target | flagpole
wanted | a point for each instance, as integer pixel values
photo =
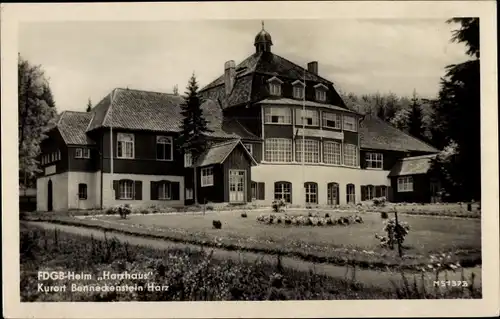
(111, 138)
(303, 138)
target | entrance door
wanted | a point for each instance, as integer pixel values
(237, 185)
(49, 196)
(333, 194)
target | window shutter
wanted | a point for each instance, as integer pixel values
(176, 189)
(363, 192)
(261, 191)
(154, 190)
(116, 188)
(390, 194)
(138, 190)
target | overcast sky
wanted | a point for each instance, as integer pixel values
(88, 59)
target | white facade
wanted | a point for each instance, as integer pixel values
(320, 174)
(65, 190)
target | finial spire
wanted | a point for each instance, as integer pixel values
(262, 24)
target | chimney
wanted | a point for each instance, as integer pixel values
(229, 76)
(312, 67)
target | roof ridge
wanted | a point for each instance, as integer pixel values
(411, 158)
(145, 91)
(60, 118)
(222, 143)
(279, 56)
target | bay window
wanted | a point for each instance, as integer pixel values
(331, 120)
(331, 153)
(278, 115)
(350, 155)
(278, 150)
(307, 117)
(350, 123)
(311, 151)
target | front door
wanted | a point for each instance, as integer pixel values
(237, 186)
(49, 196)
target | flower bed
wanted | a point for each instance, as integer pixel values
(312, 219)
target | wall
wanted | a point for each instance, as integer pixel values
(238, 160)
(59, 192)
(321, 174)
(420, 194)
(93, 190)
(215, 193)
(109, 196)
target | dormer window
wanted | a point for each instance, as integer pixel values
(298, 89)
(275, 86)
(321, 92)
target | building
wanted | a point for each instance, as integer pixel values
(263, 112)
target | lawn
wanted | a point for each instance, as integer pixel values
(428, 235)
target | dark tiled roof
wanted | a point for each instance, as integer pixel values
(262, 63)
(287, 101)
(377, 134)
(217, 153)
(151, 111)
(412, 165)
(235, 127)
(72, 126)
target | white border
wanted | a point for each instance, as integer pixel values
(12, 14)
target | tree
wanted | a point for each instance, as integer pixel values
(415, 122)
(456, 120)
(36, 113)
(400, 119)
(193, 138)
(89, 105)
(176, 90)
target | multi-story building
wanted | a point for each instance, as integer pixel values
(278, 131)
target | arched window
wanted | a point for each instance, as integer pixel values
(333, 193)
(283, 190)
(311, 191)
(351, 194)
(370, 192)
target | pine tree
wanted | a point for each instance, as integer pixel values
(193, 138)
(89, 105)
(415, 124)
(456, 120)
(176, 90)
(36, 113)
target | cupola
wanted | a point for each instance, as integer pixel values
(263, 41)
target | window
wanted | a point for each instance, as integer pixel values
(249, 148)
(189, 193)
(333, 194)
(405, 184)
(370, 192)
(126, 189)
(283, 190)
(207, 177)
(351, 194)
(164, 191)
(331, 120)
(164, 150)
(278, 150)
(320, 95)
(307, 117)
(79, 153)
(350, 123)
(278, 115)
(125, 145)
(253, 186)
(381, 191)
(58, 155)
(350, 155)
(86, 153)
(311, 192)
(298, 90)
(311, 153)
(82, 191)
(331, 152)
(188, 159)
(374, 160)
(275, 89)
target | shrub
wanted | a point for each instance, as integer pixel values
(110, 211)
(379, 201)
(327, 215)
(124, 210)
(394, 233)
(358, 219)
(244, 215)
(384, 215)
(209, 207)
(278, 205)
(288, 221)
(217, 224)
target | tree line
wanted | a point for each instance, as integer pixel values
(450, 121)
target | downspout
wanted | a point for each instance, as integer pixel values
(102, 169)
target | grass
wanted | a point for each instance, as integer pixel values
(189, 275)
(353, 244)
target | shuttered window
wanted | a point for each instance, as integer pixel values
(165, 190)
(127, 189)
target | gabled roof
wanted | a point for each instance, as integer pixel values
(412, 165)
(151, 111)
(217, 153)
(72, 126)
(379, 135)
(263, 63)
(233, 126)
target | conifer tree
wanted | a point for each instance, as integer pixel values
(415, 123)
(89, 105)
(192, 138)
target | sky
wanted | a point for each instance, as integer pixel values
(88, 59)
